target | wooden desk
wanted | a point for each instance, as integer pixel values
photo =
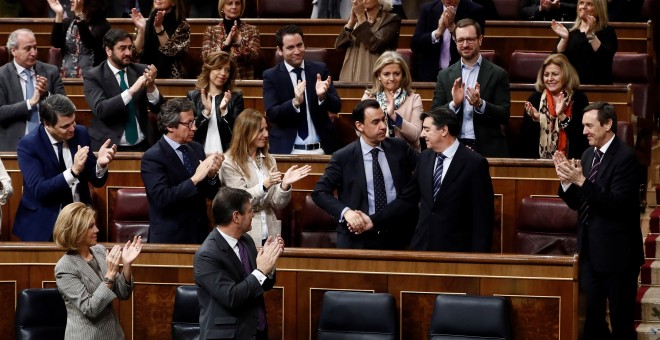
(542, 290)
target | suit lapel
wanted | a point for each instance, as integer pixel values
(289, 92)
(390, 154)
(607, 158)
(425, 168)
(169, 153)
(455, 168)
(360, 176)
(110, 81)
(14, 80)
(230, 254)
(485, 72)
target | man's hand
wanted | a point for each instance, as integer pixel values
(354, 221)
(79, 159)
(215, 164)
(474, 95)
(268, 254)
(457, 92)
(204, 168)
(106, 154)
(322, 86)
(568, 171)
(299, 93)
(40, 89)
(150, 73)
(368, 224)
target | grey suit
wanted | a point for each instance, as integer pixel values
(13, 108)
(88, 300)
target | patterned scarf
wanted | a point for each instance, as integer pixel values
(399, 97)
(553, 136)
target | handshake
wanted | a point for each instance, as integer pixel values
(357, 221)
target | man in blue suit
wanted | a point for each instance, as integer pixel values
(298, 94)
(178, 178)
(56, 163)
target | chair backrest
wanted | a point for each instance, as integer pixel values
(4, 55)
(632, 68)
(357, 315)
(624, 130)
(546, 225)
(185, 317)
(130, 215)
(508, 9)
(40, 314)
(55, 56)
(463, 317)
(524, 66)
(314, 228)
(284, 8)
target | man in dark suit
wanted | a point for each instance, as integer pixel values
(546, 10)
(432, 42)
(478, 92)
(352, 174)
(178, 178)
(57, 164)
(453, 189)
(231, 275)
(119, 91)
(603, 188)
(298, 94)
(122, 8)
(20, 93)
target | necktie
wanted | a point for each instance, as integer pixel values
(437, 174)
(583, 212)
(130, 128)
(66, 199)
(29, 92)
(445, 53)
(245, 260)
(187, 162)
(302, 123)
(380, 197)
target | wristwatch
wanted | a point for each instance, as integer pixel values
(108, 280)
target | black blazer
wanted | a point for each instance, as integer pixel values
(225, 124)
(278, 95)
(614, 237)
(228, 299)
(177, 207)
(462, 218)
(427, 53)
(103, 95)
(346, 174)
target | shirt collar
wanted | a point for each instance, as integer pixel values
(451, 150)
(366, 148)
(477, 64)
(232, 241)
(52, 140)
(290, 68)
(114, 69)
(19, 68)
(171, 142)
(604, 148)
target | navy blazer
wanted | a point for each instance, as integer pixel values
(177, 207)
(228, 299)
(462, 218)
(103, 96)
(427, 53)
(44, 185)
(13, 108)
(278, 95)
(614, 240)
(488, 126)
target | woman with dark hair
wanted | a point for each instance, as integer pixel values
(80, 39)
(89, 277)
(216, 102)
(235, 37)
(590, 44)
(164, 38)
(553, 119)
(249, 166)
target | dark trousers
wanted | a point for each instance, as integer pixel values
(617, 288)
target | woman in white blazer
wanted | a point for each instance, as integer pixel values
(89, 277)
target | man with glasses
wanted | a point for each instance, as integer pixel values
(178, 178)
(477, 91)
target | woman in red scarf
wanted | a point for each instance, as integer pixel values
(553, 114)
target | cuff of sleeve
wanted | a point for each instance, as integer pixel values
(259, 275)
(398, 121)
(153, 96)
(341, 218)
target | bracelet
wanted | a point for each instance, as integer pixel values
(347, 29)
(591, 37)
(75, 175)
(161, 32)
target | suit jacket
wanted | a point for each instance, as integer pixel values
(177, 207)
(103, 95)
(613, 239)
(489, 125)
(225, 124)
(346, 174)
(89, 310)
(529, 10)
(278, 95)
(228, 299)
(462, 218)
(44, 185)
(13, 108)
(427, 53)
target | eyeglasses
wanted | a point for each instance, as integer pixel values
(189, 124)
(470, 41)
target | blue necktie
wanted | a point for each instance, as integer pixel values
(247, 266)
(33, 123)
(302, 123)
(437, 174)
(380, 197)
(187, 162)
(130, 129)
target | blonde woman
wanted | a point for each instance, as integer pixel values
(402, 107)
(89, 277)
(249, 166)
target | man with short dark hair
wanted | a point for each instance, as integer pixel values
(603, 188)
(178, 177)
(57, 164)
(231, 275)
(361, 173)
(477, 91)
(118, 92)
(298, 94)
(24, 81)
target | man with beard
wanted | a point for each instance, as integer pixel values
(477, 91)
(118, 91)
